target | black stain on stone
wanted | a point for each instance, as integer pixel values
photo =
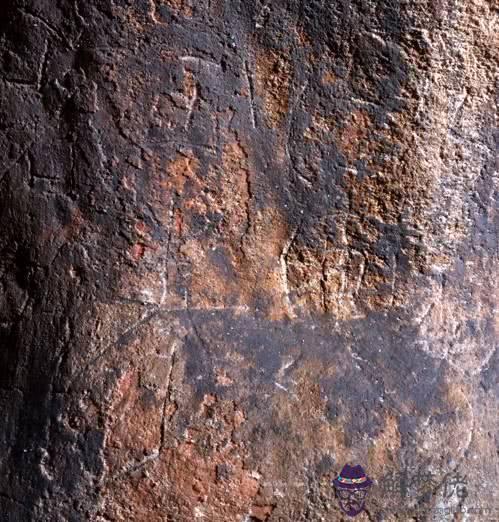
(387, 370)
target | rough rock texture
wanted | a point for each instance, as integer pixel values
(244, 243)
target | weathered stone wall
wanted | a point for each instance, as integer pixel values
(244, 243)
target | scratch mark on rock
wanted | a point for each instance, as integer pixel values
(360, 278)
(248, 206)
(283, 258)
(281, 387)
(394, 277)
(291, 116)
(18, 82)
(199, 61)
(190, 107)
(252, 105)
(153, 12)
(195, 328)
(43, 66)
(168, 396)
(135, 466)
(15, 162)
(145, 318)
(51, 28)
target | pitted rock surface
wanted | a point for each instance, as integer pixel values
(243, 244)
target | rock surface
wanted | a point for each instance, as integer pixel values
(245, 243)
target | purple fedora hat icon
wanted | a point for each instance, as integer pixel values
(352, 477)
(351, 486)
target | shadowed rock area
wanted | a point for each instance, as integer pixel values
(243, 244)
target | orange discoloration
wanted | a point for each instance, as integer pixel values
(223, 379)
(128, 184)
(208, 465)
(189, 84)
(134, 425)
(261, 513)
(302, 37)
(353, 139)
(142, 229)
(457, 394)
(223, 190)
(273, 75)
(181, 171)
(383, 453)
(138, 251)
(380, 195)
(346, 279)
(303, 417)
(239, 418)
(328, 78)
(183, 7)
(252, 242)
(255, 271)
